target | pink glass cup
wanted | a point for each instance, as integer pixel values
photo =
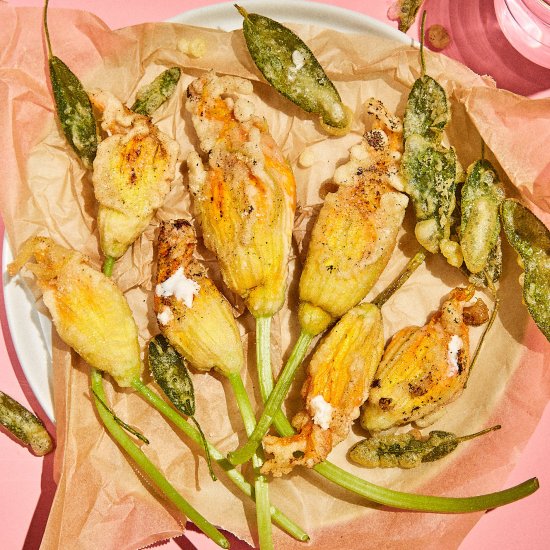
(526, 25)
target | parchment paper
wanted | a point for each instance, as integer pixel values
(101, 501)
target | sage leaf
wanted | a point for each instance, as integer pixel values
(291, 68)
(171, 374)
(530, 238)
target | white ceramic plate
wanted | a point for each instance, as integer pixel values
(30, 330)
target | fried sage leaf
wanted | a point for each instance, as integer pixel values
(431, 173)
(481, 196)
(530, 238)
(24, 425)
(74, 111)
(150, 97)
(73, 106)
(171, 374)
(427, 112)
(407, 450)
(405, 12)
(291, 68)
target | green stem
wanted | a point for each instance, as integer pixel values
(477, 434)
(482, 339)
(108, 264)
(147, 467)
(408, 501)
(236, 477)
(263, 353)
(153, 399)
(424, 503)
(261, 488)
(120, 422)
(412, 265)
(275, 400)
(46, 31)
(422, 60)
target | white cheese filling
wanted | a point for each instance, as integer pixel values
(299, 61)
(455, 345)
(322, 411)
(179, 286)
(165, 316)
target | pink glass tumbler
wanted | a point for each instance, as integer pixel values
(526, 25)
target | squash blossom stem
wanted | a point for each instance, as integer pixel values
(46, 31)
(261, 488)
(409, 501)
(236, 477)
(263, 352)
(108, 264)
(412, 265)
(275, 399)
(145, 465)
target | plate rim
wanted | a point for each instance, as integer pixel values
(15, 289)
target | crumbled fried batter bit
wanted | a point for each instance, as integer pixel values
(194, 48)
(307, 158)
(438, 37)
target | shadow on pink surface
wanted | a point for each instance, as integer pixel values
(478, 42)
(42, 510)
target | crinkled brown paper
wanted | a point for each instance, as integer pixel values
(101, 502)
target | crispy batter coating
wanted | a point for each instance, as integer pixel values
(423, 368)
(88, 310)
(133, 171)
(355, 233)
(338, 382)
(203, 330)
(245, 197)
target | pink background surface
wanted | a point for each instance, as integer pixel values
(26, 484)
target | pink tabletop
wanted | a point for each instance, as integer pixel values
(26, 482)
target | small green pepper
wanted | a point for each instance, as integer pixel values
(151, 96)
(24, 425)
(291, 68)
(407, 450)
(481, 196)
(530, 238)
(170, 373)
(73, 106)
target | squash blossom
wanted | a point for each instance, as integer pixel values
(245, 196)
(88, 310)
(133, 170)
(356, 231)
(191, 312)
(338, 382)
(423, 368)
